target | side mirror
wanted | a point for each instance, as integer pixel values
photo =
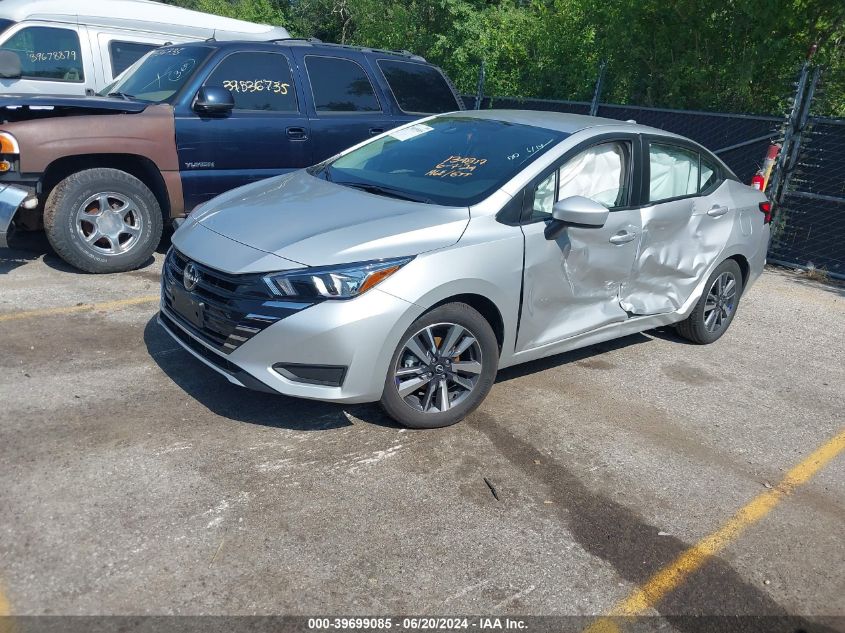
(576, 211)
(214, 100)
(10, 65)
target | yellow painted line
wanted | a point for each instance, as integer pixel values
(673, 575)
(5, 607)
(85, 307)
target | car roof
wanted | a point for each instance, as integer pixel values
(563, 121)
(142, 15)
(317, 45)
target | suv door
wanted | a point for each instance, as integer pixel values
(265, 135)
(345, 107)
(572, 284)
(687, 220)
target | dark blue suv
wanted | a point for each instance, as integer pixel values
(188, 122)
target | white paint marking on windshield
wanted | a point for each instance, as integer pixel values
(410, 132)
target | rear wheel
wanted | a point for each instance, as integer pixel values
(717, 306)
(442, 369)
(103, 220)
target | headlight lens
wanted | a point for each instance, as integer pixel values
(334, 282)
(8, 144)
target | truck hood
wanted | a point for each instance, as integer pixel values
(21, 107)
(312, 222)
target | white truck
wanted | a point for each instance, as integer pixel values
(74, 47)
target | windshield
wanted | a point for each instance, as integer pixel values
(159, 74)
(5, 24)
(448, 160)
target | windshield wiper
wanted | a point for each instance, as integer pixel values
(381, 190)
(122, 95)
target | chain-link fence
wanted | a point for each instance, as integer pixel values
(810, 227)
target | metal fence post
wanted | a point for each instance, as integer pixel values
(482, 75)
(790, 129)
(594, 106)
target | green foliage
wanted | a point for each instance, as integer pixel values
(728, 55)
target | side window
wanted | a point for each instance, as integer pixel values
(47, 53)
(418, 88)
(124, 54)
(600, 173)
(673, 172)
(257, 81)
(709, 175)
(544, 197)
(340, 85)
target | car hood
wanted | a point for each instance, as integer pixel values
(22, 107)
(313, 222)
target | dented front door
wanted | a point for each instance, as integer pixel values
(572, 284)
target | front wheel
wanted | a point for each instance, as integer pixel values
(103, 220)
(717, 306)
(442, 369)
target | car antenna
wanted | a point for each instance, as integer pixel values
(213, 37)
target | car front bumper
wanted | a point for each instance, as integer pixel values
(351, 341)
(10, 200)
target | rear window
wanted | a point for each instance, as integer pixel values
(47, 53)
(418, 88)
(124, 54)
(340, 85)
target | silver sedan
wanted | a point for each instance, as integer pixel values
(410, 268)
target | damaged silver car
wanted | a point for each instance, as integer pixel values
(412, 267)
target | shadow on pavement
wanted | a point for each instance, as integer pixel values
(237, 403)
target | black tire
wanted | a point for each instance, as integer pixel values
(68, 240)
(439, 319)
(695, 328)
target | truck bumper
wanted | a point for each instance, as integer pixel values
(10, 200)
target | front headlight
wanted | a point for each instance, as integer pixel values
(8, 144)
(343, 281)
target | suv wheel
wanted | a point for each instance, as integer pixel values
(717, 306)
(442, 369)
(103, 220)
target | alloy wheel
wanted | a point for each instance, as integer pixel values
(109, 223)
(721, 301)
(438, 367)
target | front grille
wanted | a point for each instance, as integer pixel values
(228, 310)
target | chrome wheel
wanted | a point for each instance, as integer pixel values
(720, 304)
(438, 367)
(109, 223)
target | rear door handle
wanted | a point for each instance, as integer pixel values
(623, 237)
(297, 133)
(376, 130)
(716, 212)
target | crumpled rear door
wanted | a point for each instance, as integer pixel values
(680, 241)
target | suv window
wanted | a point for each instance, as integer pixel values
(257, 81)
(340, 85)
(418, 88)
(600, 173)
(47, 53)
(673, 172)
(124, 54)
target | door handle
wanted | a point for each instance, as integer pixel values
(376, 130)
(297, 133)
(623, 237)
(716, 212)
